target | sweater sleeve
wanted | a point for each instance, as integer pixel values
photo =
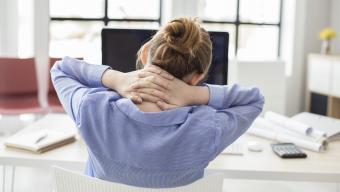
(73, 79)
(236, 108)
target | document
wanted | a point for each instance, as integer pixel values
(266, 129)
(288, 123)
(328, 126)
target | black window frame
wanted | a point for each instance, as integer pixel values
(106, 18)
(238, 22)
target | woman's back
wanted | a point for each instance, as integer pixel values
(142, 145)
(157, 149)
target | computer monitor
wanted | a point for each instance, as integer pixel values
(119, 48)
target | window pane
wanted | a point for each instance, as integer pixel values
(220, 10)
(125, 9)
(224, 27)
(77, 8)
(138, 25)
(76, 39)
(260, 11)
(258, 42)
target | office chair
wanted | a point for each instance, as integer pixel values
(18, 87)
(68, 181)
(53, 100)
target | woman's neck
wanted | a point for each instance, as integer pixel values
(148, 107)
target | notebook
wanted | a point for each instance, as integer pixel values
(47, 133)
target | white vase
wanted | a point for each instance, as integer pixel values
(326, 47)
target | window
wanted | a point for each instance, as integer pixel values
(75, 29)
(254, 26)
(25, 28)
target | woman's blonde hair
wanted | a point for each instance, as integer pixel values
(181, 47)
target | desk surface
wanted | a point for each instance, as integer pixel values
(322, 167)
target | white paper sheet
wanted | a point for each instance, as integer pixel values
(288, 123)
(328, 126)
(265, 129)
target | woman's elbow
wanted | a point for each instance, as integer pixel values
(56, 71)
(259, 99)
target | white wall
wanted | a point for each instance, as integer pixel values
(335, 23)
(269, 76)
(311, 16)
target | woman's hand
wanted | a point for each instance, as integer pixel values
(173, 93)
(121, 82)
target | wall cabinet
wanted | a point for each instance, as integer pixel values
(323, 85)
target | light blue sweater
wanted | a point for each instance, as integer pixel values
(150, 149)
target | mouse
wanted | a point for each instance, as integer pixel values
(255, 146)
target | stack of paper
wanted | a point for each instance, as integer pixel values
(283, 129)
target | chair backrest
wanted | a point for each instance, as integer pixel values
(18, 76)
(69, 181)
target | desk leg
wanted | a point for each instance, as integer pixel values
(13, 178)
(3, 177)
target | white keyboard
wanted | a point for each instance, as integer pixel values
(236, 148)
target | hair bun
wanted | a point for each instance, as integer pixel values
(182, 35)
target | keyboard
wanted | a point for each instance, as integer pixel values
(234, 149)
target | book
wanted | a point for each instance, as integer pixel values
(49, 132)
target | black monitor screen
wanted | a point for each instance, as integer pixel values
(120, 46)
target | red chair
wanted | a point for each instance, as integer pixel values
(53, 100)
(18, 87)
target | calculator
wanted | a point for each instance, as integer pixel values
(288, 150)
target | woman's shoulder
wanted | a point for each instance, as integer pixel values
(101, 94)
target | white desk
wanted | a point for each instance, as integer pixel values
(73, 155)
(320, 167)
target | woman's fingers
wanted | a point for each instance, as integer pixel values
(159, 81)
(165, 106)
(135, 98)
(142, 82)
(157, 70)
(146, 84)
(148, 97)
(154, 92)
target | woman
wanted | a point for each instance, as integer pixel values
(175, 128)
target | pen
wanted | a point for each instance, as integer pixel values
(41, 138)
